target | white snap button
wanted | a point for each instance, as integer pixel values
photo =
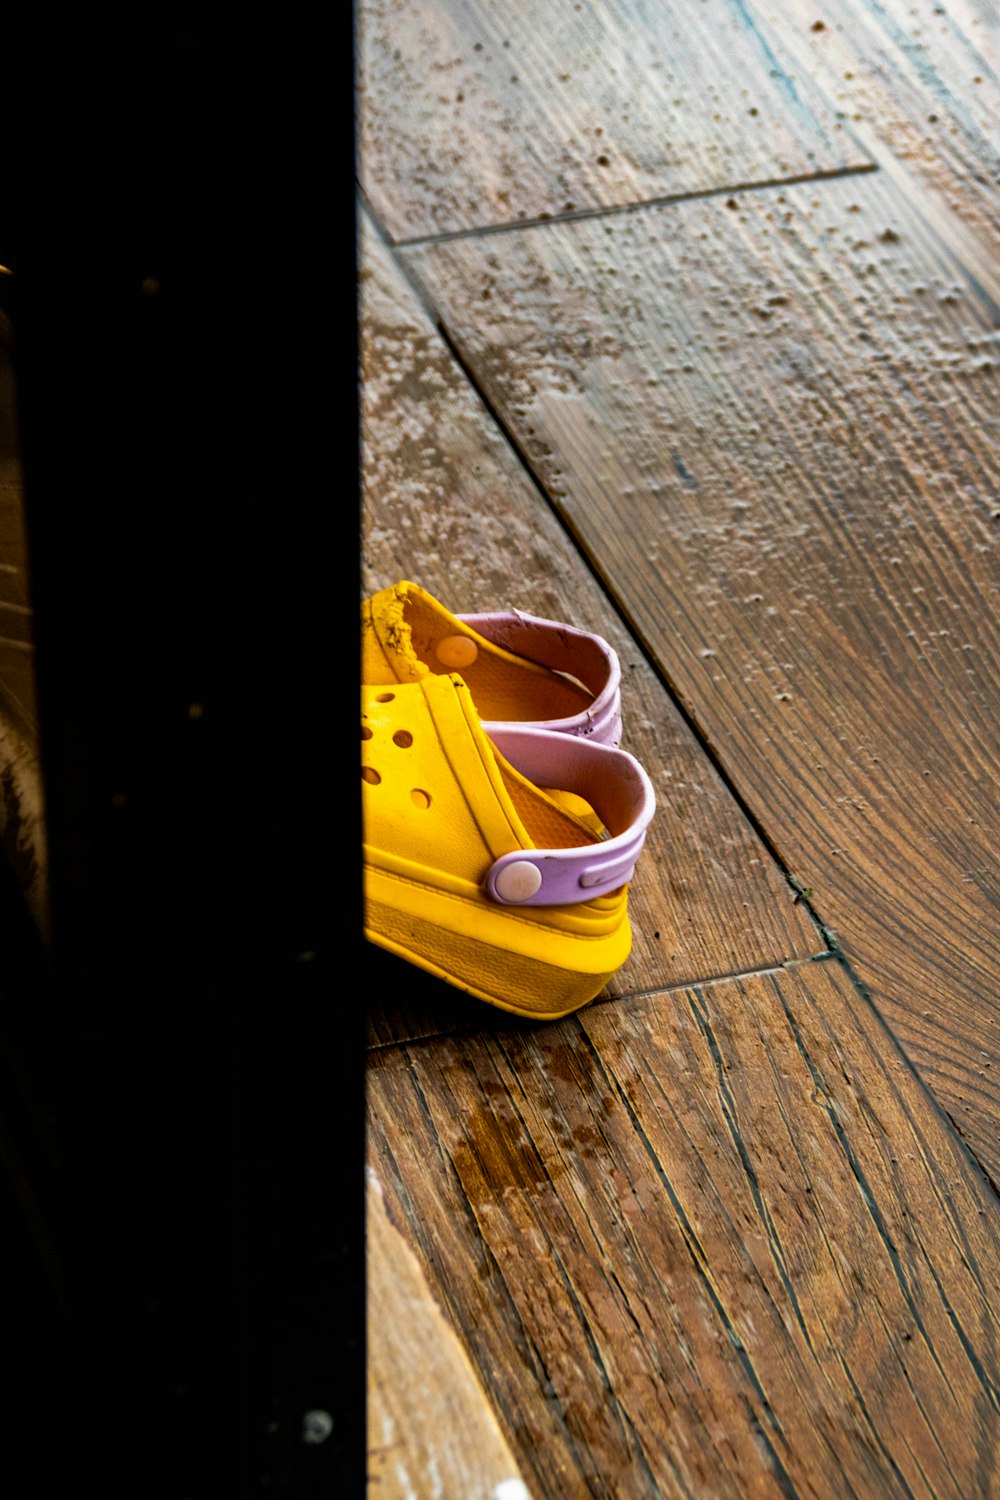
(518, 881)
(456, 651)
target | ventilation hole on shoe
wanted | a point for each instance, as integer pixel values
(366, 733)
(385, 697)
(419, 798)
(403, 738)
(369, 774)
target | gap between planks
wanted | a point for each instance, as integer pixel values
(482, 1132)
(710, 981)
(591, 563)
(615, 210)
(648, 993)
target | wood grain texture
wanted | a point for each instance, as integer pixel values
(431, 1430)
(772, 423)
(474, 112)
(17, 684)
(707, 1244)
(915, 83)
(22, 825)
(447, 504)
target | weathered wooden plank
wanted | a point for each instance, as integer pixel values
(13, 555)
(22, 826)
(712, 1243)
(915, 82)
(447, 504)
(431, 1430)
(16, 634)
(472, 112)
(772, 421)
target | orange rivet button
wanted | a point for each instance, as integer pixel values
(456, 651)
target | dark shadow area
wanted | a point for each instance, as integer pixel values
(406, 1003)
(183, 1072)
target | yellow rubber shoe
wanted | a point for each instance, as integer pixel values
(473, 871)
(519, 668)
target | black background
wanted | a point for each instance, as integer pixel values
(182, 1072)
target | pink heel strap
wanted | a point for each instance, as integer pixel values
(618, 790)
(562, 648)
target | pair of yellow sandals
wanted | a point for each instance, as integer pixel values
(502, 821)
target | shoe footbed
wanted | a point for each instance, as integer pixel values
(503, 687)
(553, 819)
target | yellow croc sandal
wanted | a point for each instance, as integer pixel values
(473, 871)
(519, 669)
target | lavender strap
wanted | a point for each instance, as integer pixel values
(618, 790)
(562, 648)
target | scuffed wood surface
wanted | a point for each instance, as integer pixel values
(527, 111)
(431, 1430)
(707, 1244)
(771, 421)
(916, 84)
(447, 504)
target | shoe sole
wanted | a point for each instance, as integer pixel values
(507, 962)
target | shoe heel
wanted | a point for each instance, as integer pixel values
(524, 986)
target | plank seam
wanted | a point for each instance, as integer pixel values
(613, 210)
(915, 1073)
(801, 891)
(680, 985)
(962, 1137)
(783, 966)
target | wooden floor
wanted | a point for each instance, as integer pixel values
(682, 322)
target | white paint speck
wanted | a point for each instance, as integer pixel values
(511, 1489)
